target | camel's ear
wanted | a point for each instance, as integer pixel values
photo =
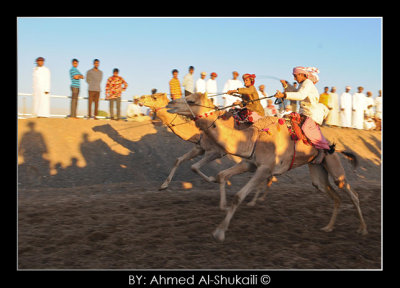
(205, 96)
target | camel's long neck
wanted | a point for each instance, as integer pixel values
(184, 129)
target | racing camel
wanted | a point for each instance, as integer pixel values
(186, 129)
(271, 151)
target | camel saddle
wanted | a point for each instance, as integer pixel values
(294, 121)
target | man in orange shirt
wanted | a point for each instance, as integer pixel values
(175, 86)
(324, 97)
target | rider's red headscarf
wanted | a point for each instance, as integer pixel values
(251, 76)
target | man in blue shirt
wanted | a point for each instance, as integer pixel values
(76, 77)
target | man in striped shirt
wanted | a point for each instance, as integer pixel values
(76, 77)
(175, 86)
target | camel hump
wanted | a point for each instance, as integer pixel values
(246, 142)
(240, 143)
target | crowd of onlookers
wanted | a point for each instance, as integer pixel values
(359, 111)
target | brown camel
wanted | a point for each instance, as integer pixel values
(268, 153)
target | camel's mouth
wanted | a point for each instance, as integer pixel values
(177, 107)
(184, 114)
(171, 108)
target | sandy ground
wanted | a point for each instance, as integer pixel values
(88, 198)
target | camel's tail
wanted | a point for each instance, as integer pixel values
(351, 157)
(348, 155)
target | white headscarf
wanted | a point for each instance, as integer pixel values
(311, 72)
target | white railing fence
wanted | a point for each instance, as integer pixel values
(21, 115)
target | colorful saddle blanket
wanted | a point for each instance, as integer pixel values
(242, 115)
(294, 121)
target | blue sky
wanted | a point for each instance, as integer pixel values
(347, 51)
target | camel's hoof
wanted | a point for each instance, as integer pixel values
(327, 229)
(212, 179)
(223, 208)
(163, 187)
(251, 204)
(362, 231)
(219, 235)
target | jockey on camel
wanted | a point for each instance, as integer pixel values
(315, 112)
(251, 109)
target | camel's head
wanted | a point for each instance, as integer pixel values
(196, 103)
(154, 101)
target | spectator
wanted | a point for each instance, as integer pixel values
(294, 103)
(369, 114)
(114, 87)
(359, 108)
(271, 110)
(135, 112)
(201, 83)
(93, 78)
(211, 88)
(41, 89)
(369, 123)
(333, 105)
(262, 94)
(345, 108)
(324, 97)
(369, 104)
(154, 91)
(378, 110)
(188, 83)
(286, 111)
(289, 88)
(231, 84)
(76, 77)
(175, 86)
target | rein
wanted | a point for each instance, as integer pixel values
(294, 155)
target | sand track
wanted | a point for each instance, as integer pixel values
(88, 199)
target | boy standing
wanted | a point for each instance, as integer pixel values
(76, 77)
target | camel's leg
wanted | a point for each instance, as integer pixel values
(261, 173)
(224, 175)
(319, 177)
(196, 151)
(270, 181)
(356, 202)
(335, 169)
(264, 185)
(209, 156)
